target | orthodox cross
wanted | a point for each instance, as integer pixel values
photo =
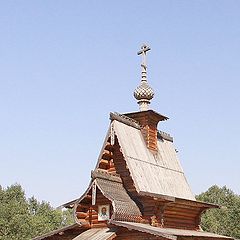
(143, 52)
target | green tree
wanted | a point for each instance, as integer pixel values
(226, 220)
(23, 219)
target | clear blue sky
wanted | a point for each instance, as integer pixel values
(64, 65)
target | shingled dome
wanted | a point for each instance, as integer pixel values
(143, 91)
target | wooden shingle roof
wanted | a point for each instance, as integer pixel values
(111, 186)
(159, 173)
(169, 233)
(97, 234)
(71, 231)
(124, 207)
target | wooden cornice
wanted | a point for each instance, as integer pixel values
(98, 173)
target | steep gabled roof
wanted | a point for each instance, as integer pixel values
(124, 208)
(159, 172)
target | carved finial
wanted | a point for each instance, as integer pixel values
(144, 93)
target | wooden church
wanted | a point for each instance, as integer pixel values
(138, 189)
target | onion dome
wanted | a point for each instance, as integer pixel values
(143, 91)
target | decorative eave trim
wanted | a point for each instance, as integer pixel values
(165, 136)
(114, 177)
(69, 204)
(141, 229)
(200, 204)
(58, 231)
(169, 233)
(157, 196)
(124, 119)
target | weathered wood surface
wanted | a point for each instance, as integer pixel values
(97, 234)
(169, 233)
(65, 233)
(155, 173)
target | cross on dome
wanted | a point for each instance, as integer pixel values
(143, 52)
(144, 93)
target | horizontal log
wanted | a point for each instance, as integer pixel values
(83, 221)
(104, 162)
(178, 222)
(103, 166)
(179, 206)
(94, 221)
(100, 224)
(107, 152)
(81, 214)
(179, 218)
(180, 214)
(83, 206)
(109, 147)
(93, 214)
(180, 209)
(93, 217)
(107, 155)
(112, 169)
(148, 207)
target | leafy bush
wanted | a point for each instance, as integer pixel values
(23, 219)
(226, 220)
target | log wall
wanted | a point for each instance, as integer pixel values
(122, 169)
(88, 214)
(171, 214)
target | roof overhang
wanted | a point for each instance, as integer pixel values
(97, 234)
(61, 231)
(69, 204)
(169, 233)
(151, 113)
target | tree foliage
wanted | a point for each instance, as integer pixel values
(23, 219)
(226, 220)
